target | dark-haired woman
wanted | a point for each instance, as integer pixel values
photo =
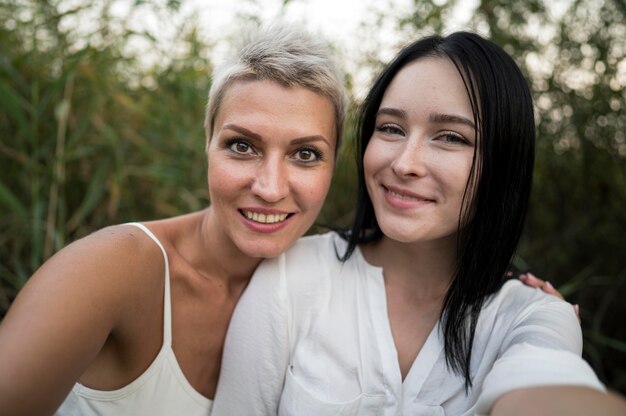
(411, 312)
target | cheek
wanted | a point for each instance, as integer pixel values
(225, 179)
(463, 173)
(457, 179)
(377, 157)
(369, 160)
(316, 186)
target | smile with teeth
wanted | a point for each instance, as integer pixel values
(265, 218)
(405, 197)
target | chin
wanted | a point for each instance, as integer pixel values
(402, 235)
(396, 232)
(263, 249)
(400, 238)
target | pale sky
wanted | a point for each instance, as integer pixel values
(343, 22)
(353, 26)
(348, 24)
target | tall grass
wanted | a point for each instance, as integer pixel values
(89, 134)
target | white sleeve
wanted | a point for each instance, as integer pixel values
(256, 350)
(543, 348)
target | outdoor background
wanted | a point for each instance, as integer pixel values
(101, 110)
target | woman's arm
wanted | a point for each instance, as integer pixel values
(542, 346)
(59, 322)
(559, 400)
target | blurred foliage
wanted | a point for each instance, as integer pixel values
(101, 123)
(89, 134)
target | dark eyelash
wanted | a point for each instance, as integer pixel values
(319, 155)
(459, 137)
(385, 128)
(234, 140)
(230, 142)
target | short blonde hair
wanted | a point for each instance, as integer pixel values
(287, 56)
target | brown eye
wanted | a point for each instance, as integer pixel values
(307, 155)
(241, 147)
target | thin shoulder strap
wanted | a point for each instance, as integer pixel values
(167, 308)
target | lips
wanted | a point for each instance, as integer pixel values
(405, 195)
(264, 218)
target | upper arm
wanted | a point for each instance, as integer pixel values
(59, 322)
(548, 322)
(256, 350)
(542, 348)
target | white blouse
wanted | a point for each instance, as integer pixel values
(311, 336)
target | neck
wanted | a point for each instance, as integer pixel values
(224, 256)
(212, 253)
(425, 269)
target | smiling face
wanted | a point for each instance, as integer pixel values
(418, 159)
(271, 160)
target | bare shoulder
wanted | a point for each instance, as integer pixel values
(96, 273)
(111, 247)
(68, 309)
(110, 256)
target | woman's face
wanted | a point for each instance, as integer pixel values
(271, 160)
(418, 160)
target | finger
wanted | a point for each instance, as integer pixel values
(531, 280)
(549, 289)
(577, 311)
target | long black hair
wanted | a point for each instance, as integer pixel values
(496, 194)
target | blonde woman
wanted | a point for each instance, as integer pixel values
(131, 319)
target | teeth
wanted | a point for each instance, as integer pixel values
(264, 218)
(405, 197)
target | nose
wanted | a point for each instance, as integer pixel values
(410, 160)
(271, 183)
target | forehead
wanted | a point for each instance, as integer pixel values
(265, 103)
(266, 93)
(429, 83)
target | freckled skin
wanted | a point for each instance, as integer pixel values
(411, 152)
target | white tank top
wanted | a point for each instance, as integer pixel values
(161, 390)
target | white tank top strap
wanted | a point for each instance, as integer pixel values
(167, 304)
(161, 390)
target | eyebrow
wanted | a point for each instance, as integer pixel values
(242, 130)
(255, 136)
(433, 117)
(450, 118)
(391, 112)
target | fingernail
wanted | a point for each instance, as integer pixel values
(577, 309)
(523, 276)
(531, 275)
(549, 285)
